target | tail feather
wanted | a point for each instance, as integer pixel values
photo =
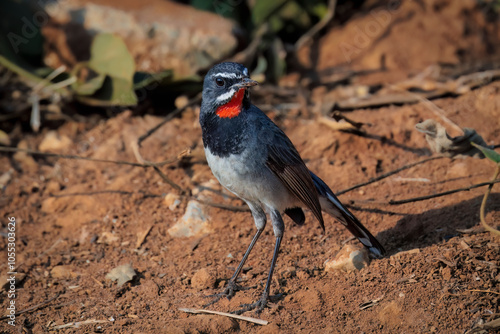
(331, 205)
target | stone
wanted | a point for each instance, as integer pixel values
(172, 201)
(24, 159)
(122, 274)
(62, 272)
(349, 258)
(53, 142)
(203, 279)
(193, 223)
(159, 34)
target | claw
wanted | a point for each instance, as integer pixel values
(228, 292)
(259, 305)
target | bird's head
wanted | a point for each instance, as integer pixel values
(225, 89)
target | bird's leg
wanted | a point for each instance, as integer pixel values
(231, 287)
(259, 305)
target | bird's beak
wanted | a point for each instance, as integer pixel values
(245, 83)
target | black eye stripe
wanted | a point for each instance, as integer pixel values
(219, 82)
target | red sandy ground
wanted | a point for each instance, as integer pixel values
(88, 216)
(441, 285)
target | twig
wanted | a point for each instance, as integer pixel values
(337, 115)
(79, 323)
(457, 87)
(485, 291)
(173, 114)
(245, 56)
(92, 193)
(368, 304)
(76, 157)
(318, 26)
(431, 106)
(383, 176)
(491, 325)
(97, 281)
(146, 164)
(483, 204)
(50, 248)
(223, 206)
(46, 81)
(423, 198)
(34, 308)
(335, 125)
(224, 314)
(170, 182)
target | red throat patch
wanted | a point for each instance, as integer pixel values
(233, 107)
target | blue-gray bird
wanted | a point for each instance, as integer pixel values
(255, 160)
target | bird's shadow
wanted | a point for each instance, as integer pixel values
(436, 225)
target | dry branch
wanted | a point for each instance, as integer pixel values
(34, 308)
(224, 314)
(448, 192)
(385, 175)
(459, 86)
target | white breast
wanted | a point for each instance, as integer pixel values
(251, 180)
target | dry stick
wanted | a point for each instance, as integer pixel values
(118, 162)
(230, 315)
(423, 198)
(485, 291)
(173, 114)
(237, 208)
(77, 157)
(318, 26)
(79, 323)
(170, 182)
(483, 204)
(91, 193)
(432, 107)
(138, 156)
(34, 308)
(383, 176)
(409, 97)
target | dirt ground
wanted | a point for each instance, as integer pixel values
(77, 220)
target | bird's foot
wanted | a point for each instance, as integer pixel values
(228, 292)
(259, 305)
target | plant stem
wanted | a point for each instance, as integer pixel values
(483, 205)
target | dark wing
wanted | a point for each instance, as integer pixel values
(297, 215)
(284, 160)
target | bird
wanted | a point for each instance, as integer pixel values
(255, 160)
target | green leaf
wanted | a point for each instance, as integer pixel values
(143, 79)
(90, 86)
(114, 92)
(488, 153)
(109, 55)
(264, 9)
(112, 83)
(319, 9)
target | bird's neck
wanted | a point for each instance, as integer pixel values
(223, 136)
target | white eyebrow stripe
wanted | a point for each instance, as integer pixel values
(225, 96)
(228, 75)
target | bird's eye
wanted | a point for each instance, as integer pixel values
(219, 82)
